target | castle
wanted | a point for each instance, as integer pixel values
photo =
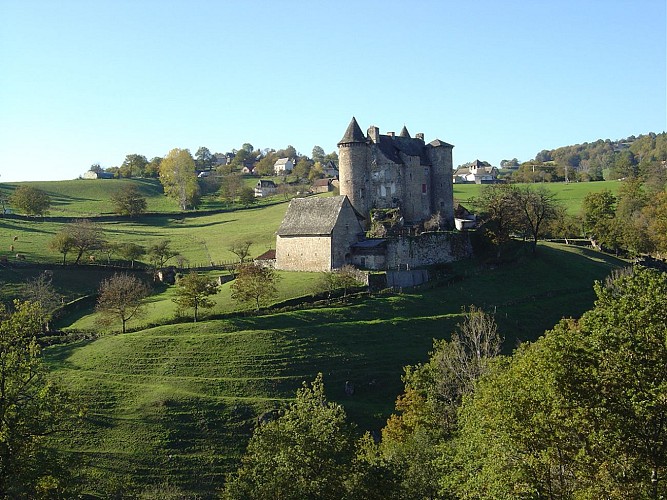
(388, 171)
(392, 172)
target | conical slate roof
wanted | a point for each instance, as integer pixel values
(404, 132)
(353, 133)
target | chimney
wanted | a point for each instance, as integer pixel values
(391, 134)
(374, 134)
(420, 136)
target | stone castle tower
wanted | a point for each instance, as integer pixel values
(389, 171)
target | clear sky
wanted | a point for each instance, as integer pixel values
(84, 82)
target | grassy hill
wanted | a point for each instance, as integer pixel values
(571, 194)
(177, 403)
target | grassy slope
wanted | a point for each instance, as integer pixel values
(571, 194)
(177, 403)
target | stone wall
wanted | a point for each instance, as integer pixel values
(427, 249)
(311, 253)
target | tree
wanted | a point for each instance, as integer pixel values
(241, 249)
(247, 196)
(178, 177)
(152, 169)
(121, 297)
(30, 200)
(130, 251)
(318, 154)
(254, 284)
(539, 206)
(193, 291)
(134, 165)
(583, 407)
(344, 278)
(129, 201)
(305, 453)
(40, 291)
(500, 213)
(599, 211)
(85, 236)
(31, 408)
(230, 187)
(159, 253)
(204, 158)
(62, 242)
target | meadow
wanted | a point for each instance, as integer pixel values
(177, 403)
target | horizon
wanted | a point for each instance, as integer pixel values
(86, 84)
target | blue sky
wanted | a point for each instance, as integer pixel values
(85, 82)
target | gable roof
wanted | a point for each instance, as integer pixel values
(312, 216)
(353, 133)
(281, 161)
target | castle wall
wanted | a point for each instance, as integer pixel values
(303, 253)
(427, 249)
(386, 181)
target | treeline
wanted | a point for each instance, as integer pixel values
(641, 156)
(580, 413)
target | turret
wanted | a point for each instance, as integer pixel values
(352, 168)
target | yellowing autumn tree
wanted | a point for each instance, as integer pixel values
(179, 178)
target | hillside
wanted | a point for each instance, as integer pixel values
(177, 403)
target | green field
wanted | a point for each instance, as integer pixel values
(571, 194)
(177, 403)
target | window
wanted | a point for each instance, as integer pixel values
(423, 188)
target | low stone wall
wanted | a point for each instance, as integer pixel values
(409, 252)
(406, 279)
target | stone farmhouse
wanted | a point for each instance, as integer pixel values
(378, 173)
(317, 234)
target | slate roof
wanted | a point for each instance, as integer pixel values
(404, 132)
(353, 133)
(312, 216)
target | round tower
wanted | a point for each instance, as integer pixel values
(353, 168)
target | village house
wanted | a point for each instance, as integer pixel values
(476, 172)
(283, 166)
(265, 188)
(322, 186)
(330, 169)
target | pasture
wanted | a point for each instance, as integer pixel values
(176, 403)
(571, 194)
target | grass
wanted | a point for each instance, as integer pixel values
(177, 403)
(571, 194)
(161, 308)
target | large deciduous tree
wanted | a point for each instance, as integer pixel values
(159, 253)
(501, 214)
(40, 290)
(582, 412)
(121, 297)
(85, 237)
(193, 291)
(134, 165)
(31, 408)
(539, 207)
(129, 201)
(30, 200)
(179, 179)
(305, 453)
(254, 284)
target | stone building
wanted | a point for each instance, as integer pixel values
(378, 171)
(317, 234)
